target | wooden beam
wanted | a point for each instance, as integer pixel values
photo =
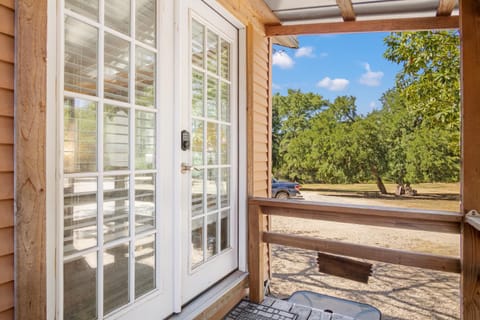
(445, 8)
(470, 177)
(344, 267)
(400, 257)
(438, 221)
(410, 24)
(30, 135)
(256, 253)
(346, 9)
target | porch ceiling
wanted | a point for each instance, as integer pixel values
(291, 12)
(349, 16)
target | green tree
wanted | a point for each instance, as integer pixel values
(429, 81)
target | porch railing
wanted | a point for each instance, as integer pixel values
(413, 219)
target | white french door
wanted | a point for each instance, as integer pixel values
(117, 186)
(210, 164)
(115, 237)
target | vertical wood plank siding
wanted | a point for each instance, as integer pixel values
(6, 158)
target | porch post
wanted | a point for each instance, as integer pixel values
(256, 253)
(470, 182)
(30, 176)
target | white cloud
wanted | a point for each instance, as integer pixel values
(276, 86)
(371, 78)
(304, 52)
(337, 84)
(372, 105)
(283, 60)
(323, 54)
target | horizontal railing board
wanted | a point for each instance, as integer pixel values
(399, 257)
(413, 219)
(7, 20)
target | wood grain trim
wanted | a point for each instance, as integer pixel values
(30, 170)
(7, 21)
(400, 257)
(346, 9)
(445, 7)
(6, 267)
(410, 24)
(6, 292)
(6, 213)
(470, 177)
(219, 309)
(442, 221)
(6, 241)
(6, 48)
(256, 253)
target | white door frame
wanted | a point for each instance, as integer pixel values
(182, 31)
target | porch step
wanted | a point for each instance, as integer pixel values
(276, 309)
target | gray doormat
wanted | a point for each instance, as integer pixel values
(246, 310)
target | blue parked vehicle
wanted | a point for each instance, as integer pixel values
(286, 190)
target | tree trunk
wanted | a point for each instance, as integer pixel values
(380, 185)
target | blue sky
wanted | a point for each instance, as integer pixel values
(335, 65)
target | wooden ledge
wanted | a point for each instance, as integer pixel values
(412, 219)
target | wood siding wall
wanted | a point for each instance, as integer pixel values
(6, 158)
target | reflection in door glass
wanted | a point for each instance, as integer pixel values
(211, 143)
(197, 241)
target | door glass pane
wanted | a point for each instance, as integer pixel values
(198, 36)
(144, 202)
(225, 230)
(80, 288)
(225, 60)
(212, 189)
(225, 188)
(197, 93)
(115, 207)
(197, 142)
(212, 52)
(145, 129)
(224, 144)
(144, 265)
(225, 102)
(117, 62)
(80, 214)
(87, 8)
(197, 192)
(116, 138)
(80, 136)
(146, 21)
(144, 77)
(212, 235)
(115, 277)
(197, 241)
(212, 98)
(81, 41)
(212, 149)
(117, 15)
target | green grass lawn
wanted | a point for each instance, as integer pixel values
(434, 196)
